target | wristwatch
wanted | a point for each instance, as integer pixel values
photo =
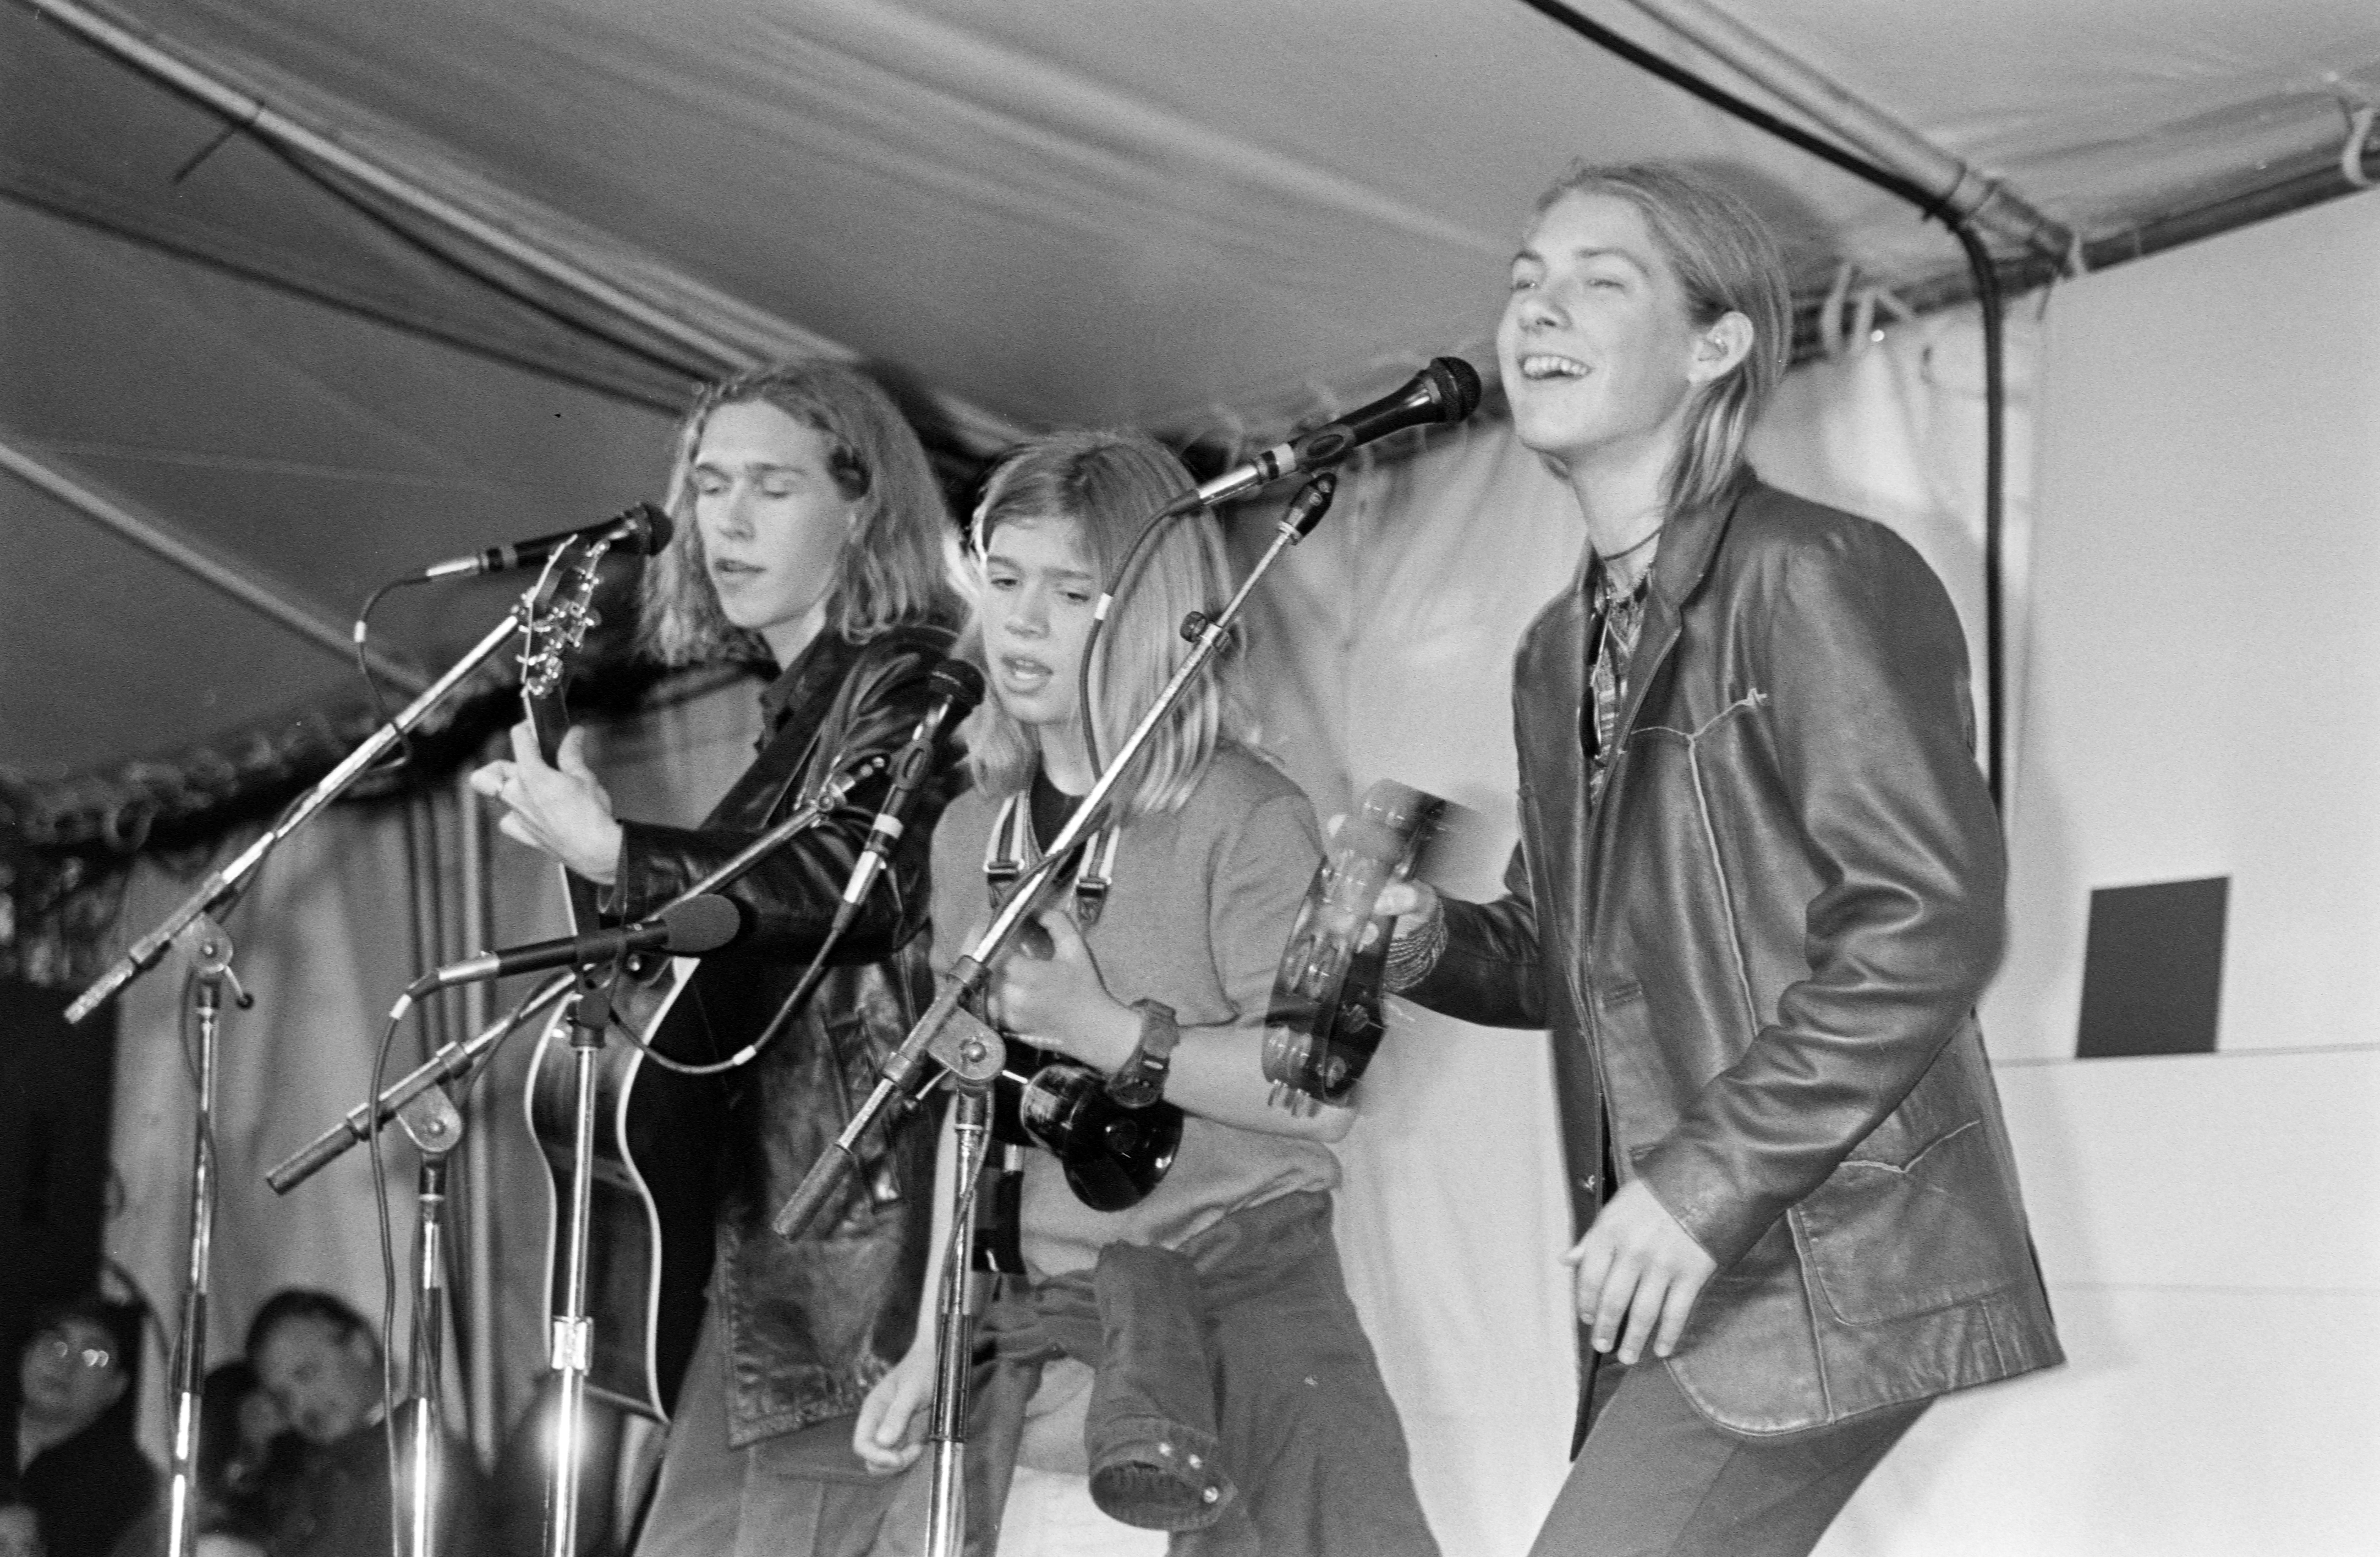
(1140, 1080)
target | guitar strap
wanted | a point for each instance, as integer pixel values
(1011, 847)
(1007, 853)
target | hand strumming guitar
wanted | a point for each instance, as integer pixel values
(558, 806)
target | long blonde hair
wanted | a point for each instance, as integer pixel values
(1728, 261)
(891, 568)
(1107, 484)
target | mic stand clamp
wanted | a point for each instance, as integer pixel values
(210, 951)
(436, 1126)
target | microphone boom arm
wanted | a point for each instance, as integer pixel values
(463, 1060)
(226, 882)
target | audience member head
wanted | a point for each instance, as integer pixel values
(20, 1526)
(319, 1359)
(813, 490)
(76, 1368)
(1057, 515)
(239, 1420)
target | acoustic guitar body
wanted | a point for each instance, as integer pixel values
(652, 1196)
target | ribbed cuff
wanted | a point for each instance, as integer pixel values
(1416, 950)
(1160, 1474)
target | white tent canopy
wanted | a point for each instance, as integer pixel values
(1212, 220)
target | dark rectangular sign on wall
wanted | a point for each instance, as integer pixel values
(2153, 969)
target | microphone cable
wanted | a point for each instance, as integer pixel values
(362, 636)
(1127, 573)
(787, 1009)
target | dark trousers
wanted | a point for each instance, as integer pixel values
(1656, 1479)
(802, 1494)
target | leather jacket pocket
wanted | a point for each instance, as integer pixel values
(1888, 1239)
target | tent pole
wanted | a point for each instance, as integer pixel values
(1972, 196)
(163, 539)
(147, 53)
(766, 337)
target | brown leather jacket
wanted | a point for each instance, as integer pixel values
(1759, 956)
(807, 1327)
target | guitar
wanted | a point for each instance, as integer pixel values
(650, 1210)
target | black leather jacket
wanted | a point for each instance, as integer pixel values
(1760, 954)
(808, 1327)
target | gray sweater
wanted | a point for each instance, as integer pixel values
(1199, 912)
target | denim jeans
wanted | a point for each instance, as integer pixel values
(801, 1495)
(1656, 1480)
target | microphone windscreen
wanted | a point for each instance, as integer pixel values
(700, 924)
(960, 683)
(652, 532)
(1458, 386)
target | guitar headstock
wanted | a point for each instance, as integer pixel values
(556, 618)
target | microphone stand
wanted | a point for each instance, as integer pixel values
(573, 1346)
(463, 1060)
(951, 1037)
(210, 953)
(436, 1126)
(572, 1341)
(225, 882)
(958, 1306)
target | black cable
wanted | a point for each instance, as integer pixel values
(388, 1283)
(1720, 97)
(1987, 293)
(361, 635)
(787, 1010)
(1987, 298)
(1126, 573)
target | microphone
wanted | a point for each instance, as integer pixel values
(957, 688)
(682, 929)
(642, 529)
(1448, 390)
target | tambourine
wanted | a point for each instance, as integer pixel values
(1325, 1020)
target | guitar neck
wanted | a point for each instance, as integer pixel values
(551, 722)
(558, 620)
